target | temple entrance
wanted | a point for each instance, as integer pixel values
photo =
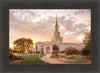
(48, 50)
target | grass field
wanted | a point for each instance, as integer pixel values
(32, 59)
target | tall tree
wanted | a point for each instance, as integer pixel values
(87, 40)
(23, 44)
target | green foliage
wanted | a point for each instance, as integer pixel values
(87, 41)
(11, 55)
(37, 52)
(61, 54)
(61, 51)
(22, 44)
(86, 51)
(76, 57)
(54, 56)
(55, 52)
(14, 57)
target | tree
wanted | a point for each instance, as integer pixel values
(23, 44)
(87, 41)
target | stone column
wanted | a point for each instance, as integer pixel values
(51, 49)
(44, 50)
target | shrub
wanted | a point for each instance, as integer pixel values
(61, 51)
(54, 56)
(55, 52)
(73, 57)
(55, 47)
(13, 57)
(86, 51)
(37, 52)
(71, 51)
(76, 57)
(61, 54)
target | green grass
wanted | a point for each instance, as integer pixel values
(32, 59)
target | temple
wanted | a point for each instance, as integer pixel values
(47, 47)
(57, 38)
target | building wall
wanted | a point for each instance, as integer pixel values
(62, 46)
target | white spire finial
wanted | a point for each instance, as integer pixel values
(56, 19)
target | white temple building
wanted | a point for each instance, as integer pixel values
(47, 47)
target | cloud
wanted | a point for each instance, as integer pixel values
(36, 23)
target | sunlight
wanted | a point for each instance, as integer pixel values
(81, 37)
(11, 45)
(62, 27)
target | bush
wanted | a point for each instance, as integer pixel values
(61, 51)
(37, 52)
(55, 52)
(71, 51)
(13, 57)
(54, 56)
(75, 57)
(86, 51)
(61, 54)
(55, 47)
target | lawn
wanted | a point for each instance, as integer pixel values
(32, 59)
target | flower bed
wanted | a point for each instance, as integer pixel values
(55, 52)
(71, 51)
(61, 54)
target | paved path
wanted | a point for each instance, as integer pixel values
(15, 62)
(47, 59)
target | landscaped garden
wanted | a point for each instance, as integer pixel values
(70, 53)
(32, 59)
(27, 59)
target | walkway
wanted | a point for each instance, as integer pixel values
(47, 59)
(15, 62)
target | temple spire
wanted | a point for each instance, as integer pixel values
(57, 38)
(56, 19)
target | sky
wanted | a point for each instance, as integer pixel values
(38, 24)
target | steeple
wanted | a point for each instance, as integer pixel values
(57, 38)
(56, 19)
(56, 27)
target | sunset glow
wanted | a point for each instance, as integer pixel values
(38, 24)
